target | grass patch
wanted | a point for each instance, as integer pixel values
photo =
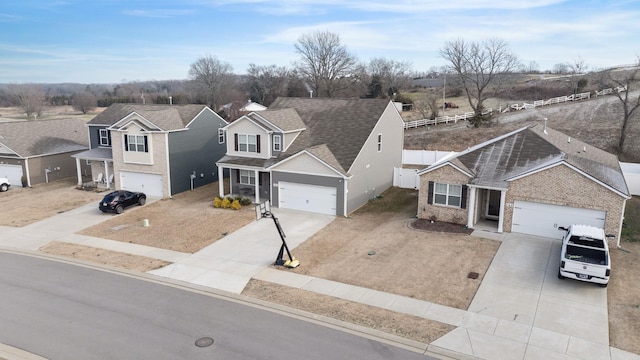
(631, 225)
(395, 200)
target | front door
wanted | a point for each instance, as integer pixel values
(493, 205)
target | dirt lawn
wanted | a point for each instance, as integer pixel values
(24, 206)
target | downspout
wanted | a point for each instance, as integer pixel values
(503, 196)
(79, 171)
(624, 205)
(26, 167)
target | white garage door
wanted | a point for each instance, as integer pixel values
(311, 198)
(543, 219)
(13, 173)
(149, 184)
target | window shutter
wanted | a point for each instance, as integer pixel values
(238, 175)
(430, 193)
(463, 200)
(126, 142)
(235, 141)
(258, 144)
(146, 147)
(259, 179)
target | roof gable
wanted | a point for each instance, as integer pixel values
(342, 125)
(165, 117)
(534, 148)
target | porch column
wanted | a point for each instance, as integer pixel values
(106, 172)
(220, 182)
(78, 172)
(503, 196)
(257, 186)
(471, 207)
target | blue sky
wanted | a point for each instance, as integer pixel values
(110, 41)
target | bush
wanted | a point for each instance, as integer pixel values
(217, 202)
(235, 205)
(226, 203)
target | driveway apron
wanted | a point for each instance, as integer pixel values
(229, 263)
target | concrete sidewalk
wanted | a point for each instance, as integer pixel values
(521, 310)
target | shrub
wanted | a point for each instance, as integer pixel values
(235, 205)
(245, 201)
(217, 202)
(226, 203)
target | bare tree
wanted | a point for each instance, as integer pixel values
(576, 69)
(627, 80)
(325, 62)
(427, 107)
(210, 75)
(478, 65)
(84, 101)
(31, 98)
(266, 83)
(393, 75)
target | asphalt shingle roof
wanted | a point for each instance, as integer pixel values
(165, 117)
(342, 125)
(523, 151)
(42, 137)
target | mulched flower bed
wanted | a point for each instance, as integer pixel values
(439, 226)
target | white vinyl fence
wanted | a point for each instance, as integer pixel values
(409, 179)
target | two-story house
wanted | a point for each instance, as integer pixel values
(321, 155)
(160, 150)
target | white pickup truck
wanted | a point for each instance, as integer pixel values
(585, 255)
(4, 184)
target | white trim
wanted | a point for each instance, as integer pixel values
(279, 142)
(274, 166)
(166, 176)
(435, 167)
(245, 118)
(379, 142)
(222, 134)
(124, 122)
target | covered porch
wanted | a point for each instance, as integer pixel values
(247, 182)
(486, 208)
(101, 164)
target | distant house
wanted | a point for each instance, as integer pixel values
(40, 150)
(530, 181)
(236, 109)
(161, 150)
(321, 155)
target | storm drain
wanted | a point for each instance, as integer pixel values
(204, 342)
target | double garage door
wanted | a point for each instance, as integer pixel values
(543, 219)
(311, 198)
(150, 184)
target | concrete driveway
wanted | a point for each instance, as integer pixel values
(229, 263)
(528, 313)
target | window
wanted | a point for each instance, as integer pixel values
(104, 137)
(221, 136)
(277, 143)
(247, 143)
(247, 177)
(447, 194)
(136, 143)
(379, 142)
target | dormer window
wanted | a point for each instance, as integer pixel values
(277, 143)
(104, 137)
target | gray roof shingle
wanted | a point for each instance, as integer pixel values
(342, 125)
(165, 117)
(42, 137)
(495, 162)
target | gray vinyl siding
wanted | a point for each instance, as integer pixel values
(195, 150)
(94, 135)
(64, 162)
(336, 182)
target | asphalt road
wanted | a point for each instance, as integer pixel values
(64, 311)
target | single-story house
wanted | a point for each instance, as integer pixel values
(321, 155)
(529, 181)
(160, 150)
(39, 151)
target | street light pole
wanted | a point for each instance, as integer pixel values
(444, 90)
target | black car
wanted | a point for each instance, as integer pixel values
(116, 201)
